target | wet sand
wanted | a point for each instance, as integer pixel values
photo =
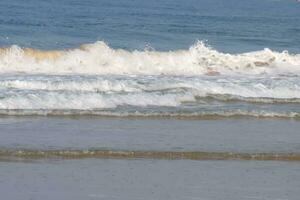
(149, 179)
(67, 158)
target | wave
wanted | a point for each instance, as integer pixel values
(99, 58)
(238, 113)
(11, 155)
(40, 92)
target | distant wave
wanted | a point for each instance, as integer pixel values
(98, 58)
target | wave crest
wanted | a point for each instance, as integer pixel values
(99, 58)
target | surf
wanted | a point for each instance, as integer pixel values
(99, 58)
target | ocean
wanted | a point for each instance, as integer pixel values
(142, 85)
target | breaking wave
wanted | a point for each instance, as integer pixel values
(196, 83)
(99, 58)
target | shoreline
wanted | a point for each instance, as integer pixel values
(11, 155)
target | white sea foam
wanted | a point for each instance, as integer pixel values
(98, 58)
(96, 79)
(226, 87)
(149, 96)
(158, 114)
(86, 101)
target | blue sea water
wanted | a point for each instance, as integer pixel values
(228, 26)
(174, 58)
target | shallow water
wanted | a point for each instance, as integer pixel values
(83, 133)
